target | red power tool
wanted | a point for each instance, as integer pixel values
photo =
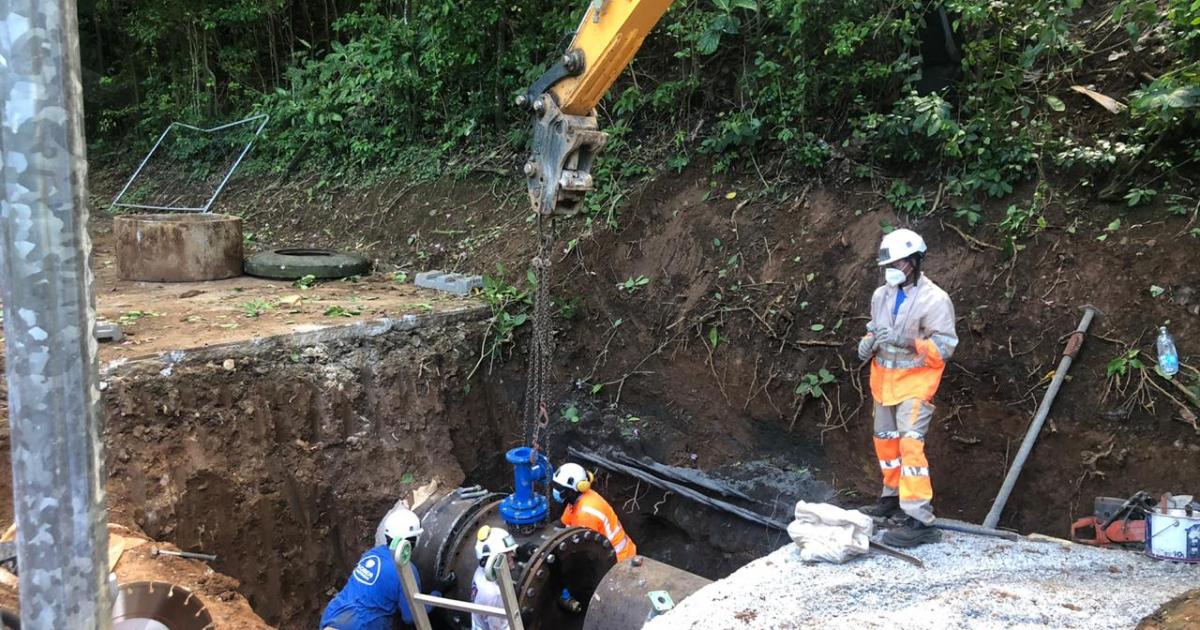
(1115, 522)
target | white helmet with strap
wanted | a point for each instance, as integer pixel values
(402, 523)
(574, 477)
(492, 540)
(898, 245)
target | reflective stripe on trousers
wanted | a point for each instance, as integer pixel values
(900, 446)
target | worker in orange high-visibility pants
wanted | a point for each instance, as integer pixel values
(909, 339)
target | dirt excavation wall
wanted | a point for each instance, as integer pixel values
(281, 458)
(781, 279)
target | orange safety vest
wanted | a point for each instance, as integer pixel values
(593, 512)
(927, 316)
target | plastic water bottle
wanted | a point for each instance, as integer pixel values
(1168, 357)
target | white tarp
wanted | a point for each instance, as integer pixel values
(828, 533)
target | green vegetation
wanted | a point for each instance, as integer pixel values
(255, 307)
(342, 311)
(812, 385)
(510, 311)
(305, 283)
(768, 87)
(130, 317)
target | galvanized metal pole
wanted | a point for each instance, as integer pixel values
(1074, 343)
(49, 314)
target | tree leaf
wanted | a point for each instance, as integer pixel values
(817, 327)
(1056, 103)
(713, 337)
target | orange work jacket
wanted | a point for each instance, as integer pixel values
(927, 316)
(593, 512)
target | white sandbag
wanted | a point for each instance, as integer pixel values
(828, 533)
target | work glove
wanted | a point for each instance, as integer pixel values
(447, 583)
(866, 347)
(881, 337)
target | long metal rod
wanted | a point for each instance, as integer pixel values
(681, 490)
(717, 504)
(161, 137)
(953, 525)
(167, 208)
(190, 555)
(53, 393)
(116, 202)
(1010, 480)
(454, 604)
(236, 163)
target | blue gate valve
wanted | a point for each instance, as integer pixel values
(524, 506)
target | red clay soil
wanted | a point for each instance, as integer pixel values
(1181, 613)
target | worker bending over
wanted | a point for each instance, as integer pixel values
(373, 595)
(911, 336)
(485, 588)
(584, 507)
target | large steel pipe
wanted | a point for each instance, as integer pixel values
(552, 559)
(632, 593)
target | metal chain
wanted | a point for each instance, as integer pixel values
(537, 413)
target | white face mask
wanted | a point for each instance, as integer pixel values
(894, 277)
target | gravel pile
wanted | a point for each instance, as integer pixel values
(968, 582)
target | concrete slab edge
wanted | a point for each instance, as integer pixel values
(325, 334)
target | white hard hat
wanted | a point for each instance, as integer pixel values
(401, 523)
(573, 476)
(491, 540)
(898, 245)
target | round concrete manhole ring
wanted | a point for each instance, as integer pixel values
(178, 247)
(159, 606)
(293, 263)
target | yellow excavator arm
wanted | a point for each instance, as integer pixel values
(566, 136)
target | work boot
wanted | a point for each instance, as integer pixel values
(912, 533)
(884, 508)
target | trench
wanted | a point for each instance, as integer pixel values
(280, 458)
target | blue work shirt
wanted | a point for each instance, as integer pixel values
(372, 596)
(899, 300)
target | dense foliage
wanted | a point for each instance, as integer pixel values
(369, 84)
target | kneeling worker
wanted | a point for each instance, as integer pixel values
(373, 595)
(485, 590)
(585, 507)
